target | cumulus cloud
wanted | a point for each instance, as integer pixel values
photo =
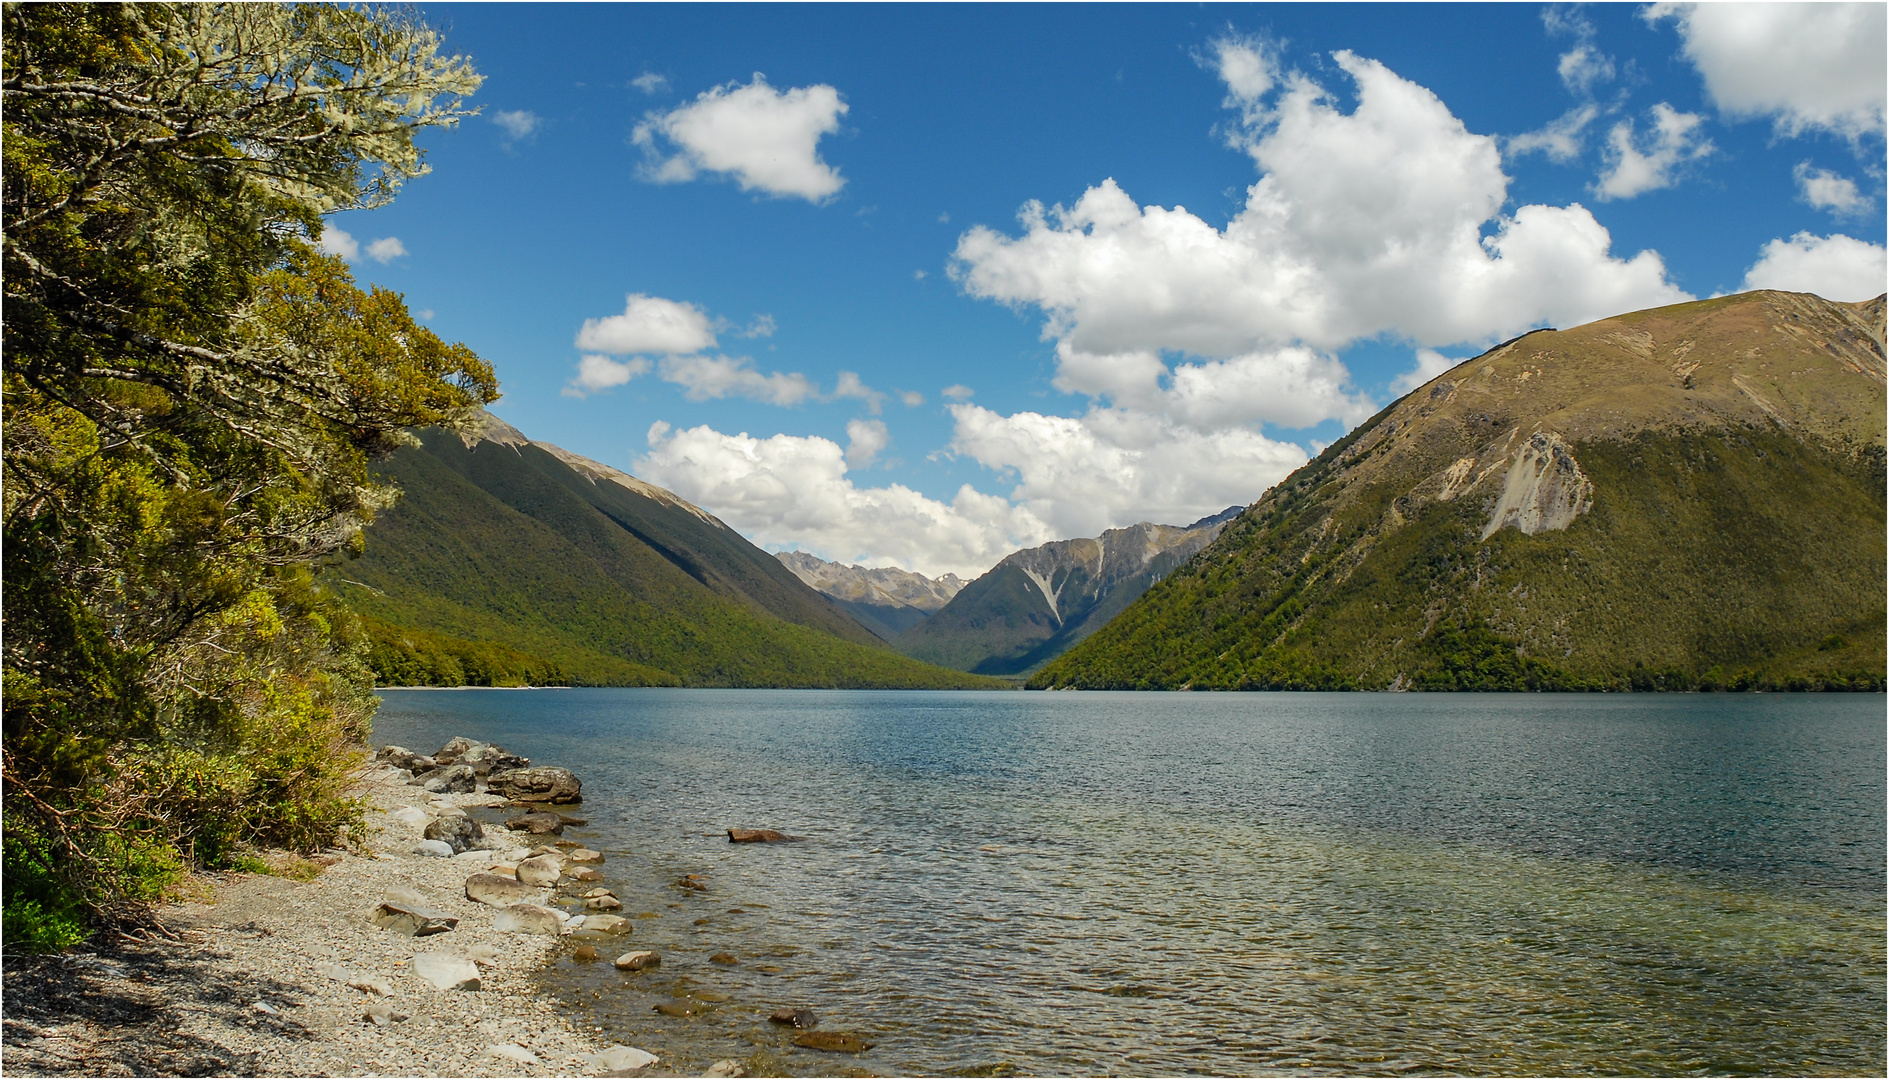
(1249, 66)
(1583, 66)
(595, 373)
(1112, 467)
(766, 139)
(957, 392)
(1430, 364)
(864, 440)
(1561, 139)
(651, 83)
(704, 378)
(336, 241)
(1807, 66)
(1834, 267)
(790, 491)
(1635, 166)
(912, 398)
(849, 385)
(1826, 190)
(517, 123)
(386, 249)
(649, 324)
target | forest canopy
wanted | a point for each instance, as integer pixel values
(193, 396)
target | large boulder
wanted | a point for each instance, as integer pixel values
(529, 919)
(448, 754)
(461, 833)
(540, 870)
(411, 919)
(402, 758)
(486, 758)
(448, 780)
(498, 890)
(538, 784)
(446, 972)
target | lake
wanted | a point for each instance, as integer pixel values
(1153, 884)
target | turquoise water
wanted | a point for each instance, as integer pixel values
(1137, 884)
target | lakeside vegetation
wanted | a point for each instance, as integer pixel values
(194, 395)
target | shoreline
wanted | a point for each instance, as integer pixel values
(252, 977)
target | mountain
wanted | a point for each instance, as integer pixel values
(886, 599)
(1687, 497)
(1038, 602)
(513, 555)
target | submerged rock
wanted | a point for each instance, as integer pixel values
(838, 1041)
(537, 824)
(759, 836)
(799, 1018)
(637, 961)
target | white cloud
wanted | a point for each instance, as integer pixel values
(335, 241)
(596, 373)
(1826, 190)
(1430, 364)
(793, 491)
(957, 392)
(651, 83)
(760, 326)
(703, 378)
(1834, 267)
(517, 123)
(767, 139)
(1249, 66)
(1561, 139)
(1807, 66)
(1584, 65)
(1638, 166)
(386, 249)
(1114, 467)
(918, 275)
(864, 440)
(649, 324)
(849, 386)
(912, 398)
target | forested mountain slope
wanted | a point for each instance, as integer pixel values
(506, 541)
(1691, 496)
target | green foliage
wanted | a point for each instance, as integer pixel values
(408, 657)
(1741, 560)
(193, 398)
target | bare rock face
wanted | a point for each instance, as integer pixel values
(1545, 488)
(539, 784)
(461, 833)
(498, 890)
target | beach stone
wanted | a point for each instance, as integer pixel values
(446, 809)
(380, 1014)
(619, 1058)
(593, 893)
(724, 959)
(513, 1052)
(446, 971)
(583, 856)
(799, 1018)
(486, 759)
(402, 758)
(498, 890)
(540, 870)
(726, 1067)
(606, 924)
(637, 961)
(758, 836)
(544, 849)
(528, 919)
(691, 882)
(448, 780)
(439, 849)
(543, 783)
(585, 873)
(461, 832)
(455, 746)
(537, 824)
(838, 1041)
(603, 903)
(412, 920)
(674, 1008)
(403, 894)
(408, 815)
(585, 954)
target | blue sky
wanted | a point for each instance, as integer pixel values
(796, 244)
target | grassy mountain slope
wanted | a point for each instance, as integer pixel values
(503, 542)
(1692, 496)
(1038, 602)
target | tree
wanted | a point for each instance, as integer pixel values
(193, 395)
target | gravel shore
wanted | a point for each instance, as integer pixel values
(253, 979)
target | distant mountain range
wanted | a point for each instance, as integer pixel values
(508, 559)
(1030, 607)
(1687, 497)
(887, 600)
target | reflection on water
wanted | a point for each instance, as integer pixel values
(1184, 883)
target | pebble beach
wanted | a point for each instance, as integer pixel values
(264, 975)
